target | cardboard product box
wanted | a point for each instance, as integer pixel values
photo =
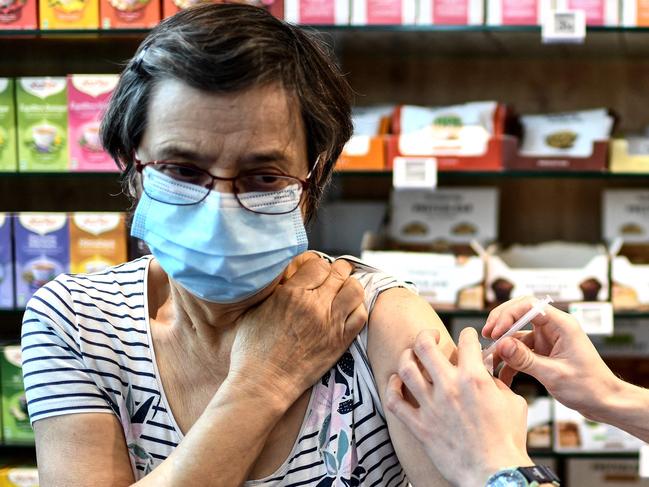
(428, 243)
(6, 263)
(459, 137)
(451, 12)
(129, 14)
(16, 429)
(635, 13)
(19, 476)
(604, 472)
(625, 220)
(69, 14)
(42, 250)
(386, 12)
(598, 12)
(97, 241)
(567, 272)
(516, 12)
(630, 154)
(365, 150)
(18, 14)
(88, 97)
(574, 433)
(172, 7)
(8, 150)
(323, 12)
(42, 107)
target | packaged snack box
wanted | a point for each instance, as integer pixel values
(172, 7)
(129, 14)
(97, 241)
(6, 263)
(8, 155)
(42, 250)
(88, 97)
(324, 12)
(635, 13)
(42, 107)
(365, 150)
(451, 12)
(515, 12)
(386, 12)
(15, 476)
(604, 472)
(598, 12)
(18, 14)
(15, 419)
(69, 14)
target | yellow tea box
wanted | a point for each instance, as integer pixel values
(97, 241)
(69, 14)
(8, 156)
(42, 107)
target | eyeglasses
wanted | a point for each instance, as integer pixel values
(264, 193)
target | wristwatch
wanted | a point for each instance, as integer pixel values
(524, 477)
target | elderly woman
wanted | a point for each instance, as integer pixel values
(229, 356)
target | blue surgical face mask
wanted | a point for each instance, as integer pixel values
(215, 249)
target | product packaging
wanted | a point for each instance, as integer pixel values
(88, 97)
(97, 241)
(172, 7)
(129, 14)
(533, 12)
(42, 250)
(630, 154)
(386, 12)
(604, 472)
(18, 14)
(19, 476)
(8, 152)
(365, 150)
(6, 263)
(567, 272)
(635, 13)
(598, 12)
(451, 12)
(428, 243)
(42, 107)
(16, 429)
(69, 14)
(314, 12)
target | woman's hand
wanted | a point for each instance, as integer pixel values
(294, 336)
(557, 353)
(470, 424)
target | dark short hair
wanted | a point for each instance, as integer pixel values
(225, 48)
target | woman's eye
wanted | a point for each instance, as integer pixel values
(182, 173)
(264, 182)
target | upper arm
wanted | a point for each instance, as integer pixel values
(82, 450)
(396, 319)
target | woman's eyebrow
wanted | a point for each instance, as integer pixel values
(170, 152)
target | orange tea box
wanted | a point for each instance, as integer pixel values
(172, 7)
(69, 14)
(97, 241)
(18, 14)
(129, 14)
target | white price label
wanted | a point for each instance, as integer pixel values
(414, 172)
(644, 461)
(594, 318)
(564, 26)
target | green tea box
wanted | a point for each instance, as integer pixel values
(15, 419)
(42, 105)
(8, 156)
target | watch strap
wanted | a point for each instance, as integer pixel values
(539, 474)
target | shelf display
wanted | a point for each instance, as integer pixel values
(625, 217)
(366, 148)
(42, 107)
(630, 154)
(8, 150)
(383, 12)
(451, 12)
(129, 14)
(635, 13)
(6, 264)
(16, 429)
(87, 100)
(532, 12)
(604, 472)
(68, 14)
(18, 14)
(317, 12)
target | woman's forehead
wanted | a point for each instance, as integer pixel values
(263, 119)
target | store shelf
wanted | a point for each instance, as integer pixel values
(508, 174)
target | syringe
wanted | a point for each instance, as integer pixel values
(537, 309)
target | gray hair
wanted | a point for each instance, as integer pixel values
(225, 48)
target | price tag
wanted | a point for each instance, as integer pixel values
(414, 172)
(564, 26)
(594, 318)
(644, 461)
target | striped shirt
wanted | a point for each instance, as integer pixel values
(86, 344)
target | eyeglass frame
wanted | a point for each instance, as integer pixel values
(304, 183)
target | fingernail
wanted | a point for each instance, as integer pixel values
(508, 349)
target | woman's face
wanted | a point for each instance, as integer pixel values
(258, 130)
